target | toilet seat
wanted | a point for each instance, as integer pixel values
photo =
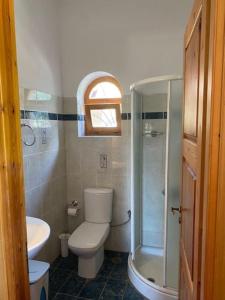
(88, 238)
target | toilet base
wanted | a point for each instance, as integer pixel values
(88, 267)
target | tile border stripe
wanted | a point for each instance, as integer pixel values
(39, 115)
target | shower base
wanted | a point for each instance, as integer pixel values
(146, 268)
(149, 263)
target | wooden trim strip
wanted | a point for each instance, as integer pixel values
(98, 80)
(193, 20)
(13, 250)
(190, 153)
(213, 283)
(185, 265)
(90, 130)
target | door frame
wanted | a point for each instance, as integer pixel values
(14, 283)
(213, 260)
(212, 275)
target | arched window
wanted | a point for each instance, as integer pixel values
(102, 102)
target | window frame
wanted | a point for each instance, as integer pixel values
(102, 103)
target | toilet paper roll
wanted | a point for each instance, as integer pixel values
(72, 211)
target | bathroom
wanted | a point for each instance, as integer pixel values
(62, 48)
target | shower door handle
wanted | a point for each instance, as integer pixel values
(177, 209)
(174, 209)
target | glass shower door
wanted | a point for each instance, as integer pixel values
(173, 183)
(136, 165)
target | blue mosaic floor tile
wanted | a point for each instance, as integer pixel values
(109, 253)
(116, 257)
(51, 294)
(132, 294)
(111, 282)
(110, 297)
(114, 288)
(106, 269)
(57, 279)
(54, 265)
(73, 285)
(69, 263)
(93, 288)
(119, 272)
(60, 296)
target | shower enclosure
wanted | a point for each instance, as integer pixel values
(156, 137)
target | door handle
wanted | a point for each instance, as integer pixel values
(174, 209)
(177, 209)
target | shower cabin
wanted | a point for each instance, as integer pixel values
(155, 186)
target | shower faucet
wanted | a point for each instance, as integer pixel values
(153, 133)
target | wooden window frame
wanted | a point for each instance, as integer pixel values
(102, 103)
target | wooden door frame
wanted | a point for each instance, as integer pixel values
(14, 284)
(213, 261)
(212, 275)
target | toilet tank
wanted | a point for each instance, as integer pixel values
(98, 205)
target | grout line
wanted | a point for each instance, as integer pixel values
(81, 289)
(67, 279)
(103, 289)
(57, 150)
(127, 283)
(65, 295)
(45, 182)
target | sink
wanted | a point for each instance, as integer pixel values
(38, 232)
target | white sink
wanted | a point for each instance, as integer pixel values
(38, 232)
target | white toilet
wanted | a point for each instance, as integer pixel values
(87, 241)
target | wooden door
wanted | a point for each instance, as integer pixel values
(194, 109)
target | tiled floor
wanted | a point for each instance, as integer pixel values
(111, 283)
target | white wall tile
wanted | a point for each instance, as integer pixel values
(83, 170)
(45, 173)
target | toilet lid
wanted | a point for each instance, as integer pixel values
(89, 236)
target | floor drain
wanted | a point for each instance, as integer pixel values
(151, 279)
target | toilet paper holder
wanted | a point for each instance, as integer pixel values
(73, 208)
(74, 203)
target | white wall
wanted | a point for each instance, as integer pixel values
(44, 163)
(83, 171)
(45, 170)
(38, 45)
(132, 39)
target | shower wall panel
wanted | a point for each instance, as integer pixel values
(153, 182)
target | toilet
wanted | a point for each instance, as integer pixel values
(87, 240)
